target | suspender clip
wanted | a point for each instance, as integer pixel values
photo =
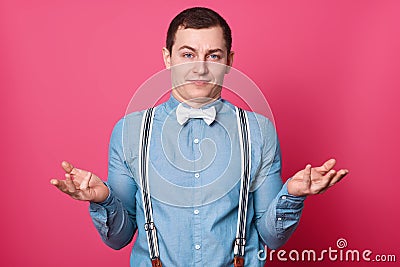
(240, 241)
(156, 262)
(238, 261)
(149, 226)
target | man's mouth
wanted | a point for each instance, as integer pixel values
(199, 82)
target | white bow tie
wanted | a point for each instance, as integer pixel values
(183, 114)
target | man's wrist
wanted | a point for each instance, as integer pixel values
(292, 190)
(104, 196)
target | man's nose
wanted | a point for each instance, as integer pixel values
(200, 67)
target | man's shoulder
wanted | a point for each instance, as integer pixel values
(131, 120)
(259, 119)
(261, 125)
(250, 113)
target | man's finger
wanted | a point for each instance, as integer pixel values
(327, 166)
(67, 166)
(59, 184)
(327, 178)
(69, 184)
(339, 176)
(85, 182)
(307, 175)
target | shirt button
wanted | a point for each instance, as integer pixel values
(196, 212)
(196, 141)
(283, 197)
(279, 219)
(197, 247)
(197, 175)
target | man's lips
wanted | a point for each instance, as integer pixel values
(199, 82)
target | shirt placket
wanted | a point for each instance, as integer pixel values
(197, 131)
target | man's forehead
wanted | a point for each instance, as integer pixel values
(212, 37)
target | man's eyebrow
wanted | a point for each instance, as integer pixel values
(208, 52)
(187, 47)
(211, 51)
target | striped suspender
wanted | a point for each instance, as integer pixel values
(245, 148)
(150, 228)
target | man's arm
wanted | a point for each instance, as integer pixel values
(115, 218)
(112, 204)
(277, 212)
(278, 208)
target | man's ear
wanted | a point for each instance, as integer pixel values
(229, 62)
(167, 57)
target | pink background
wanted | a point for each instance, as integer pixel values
(329, 69)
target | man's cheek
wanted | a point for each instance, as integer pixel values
(179, 74)
(218, 72)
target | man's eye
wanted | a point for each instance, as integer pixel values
(213, 56)
(187, 55)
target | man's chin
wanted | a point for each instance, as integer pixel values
(197, 94)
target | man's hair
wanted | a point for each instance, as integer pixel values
(198, 18)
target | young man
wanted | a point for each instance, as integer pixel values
(195, 200)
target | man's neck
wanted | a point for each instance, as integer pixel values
(196, 102)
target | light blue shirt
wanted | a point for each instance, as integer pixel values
(194, 172)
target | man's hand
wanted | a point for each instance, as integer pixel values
(81, 184)
(311, 181)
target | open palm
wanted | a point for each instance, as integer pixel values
(81, 184)
(311, 181)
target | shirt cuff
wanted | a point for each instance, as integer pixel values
(101, 211)
(288, 201)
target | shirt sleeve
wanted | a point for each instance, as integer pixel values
(277, 212)
(115, 218)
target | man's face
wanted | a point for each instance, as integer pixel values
(198, 63)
